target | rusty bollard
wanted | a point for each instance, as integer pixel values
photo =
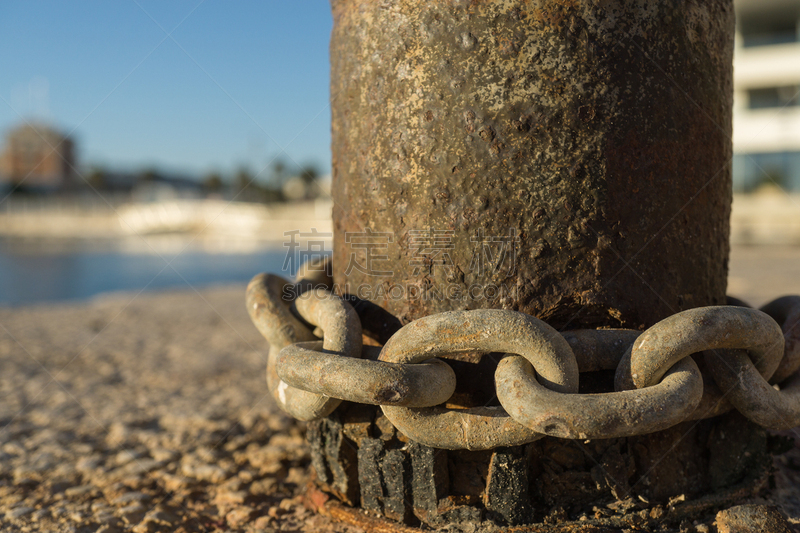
(568, 164)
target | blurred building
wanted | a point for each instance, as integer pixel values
(766, 108)
(37, 157)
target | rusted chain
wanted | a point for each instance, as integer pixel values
(306, 365)
(751, 394)
(605, 415)
(271, 313)
(269, 308)
(713, 403)
(657, 381)
(696, 330)
(602, 349)
(786, 312)
(486, 330)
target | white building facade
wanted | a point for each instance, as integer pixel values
(766, 107)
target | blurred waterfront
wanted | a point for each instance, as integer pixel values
(108, 184)
(56, 249)
(28, 275)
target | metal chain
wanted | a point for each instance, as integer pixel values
(272, 314)
(485, 330)
(750, 357)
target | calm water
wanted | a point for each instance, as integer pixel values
(30, 274)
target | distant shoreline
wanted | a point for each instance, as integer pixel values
(768, 217)
(210, 225)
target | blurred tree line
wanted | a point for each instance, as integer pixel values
(279, 182)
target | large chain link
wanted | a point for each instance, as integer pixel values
(750, 359)
(483, 330)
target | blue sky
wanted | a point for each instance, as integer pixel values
(239, 82)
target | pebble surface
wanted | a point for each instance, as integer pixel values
(145, 413)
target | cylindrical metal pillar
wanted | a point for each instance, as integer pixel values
(588, 140)
(570, 160)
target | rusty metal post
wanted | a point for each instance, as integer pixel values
(573, 157)
(599, 131)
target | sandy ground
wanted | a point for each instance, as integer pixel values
(144, 413)
(150, 413)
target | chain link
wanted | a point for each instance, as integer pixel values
(696, 330)
(604, 415)
(306, 364)
(269, 300)
(482, 330)
(749, 358)
(786, 312)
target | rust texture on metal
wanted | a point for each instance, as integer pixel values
(488, 330)
(272, 316)
(598, 131)
(306, 365)
(483, 330)
(600, 349)
(271, 312)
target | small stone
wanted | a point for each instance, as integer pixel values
(264, 486)
(143, 527)
(161, 517)
(105, 517)
(174, 483)
(13, 448)
(262, 524)
(141, 466)
(87, 464)
(19, 512)
(752, 519)
(131, 497)
(126, 456)
(245, 476)
(162, 454)
(40, 514)
(24, 475)
(230, 498)
(239, 516)
(275, 512)
(210, 473)
(76, 492)
(133, 514)
(100, 506)
(81, 448)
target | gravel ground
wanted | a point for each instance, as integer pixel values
(150, 413)
(145, 413)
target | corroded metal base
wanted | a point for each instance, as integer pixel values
(644, 481)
